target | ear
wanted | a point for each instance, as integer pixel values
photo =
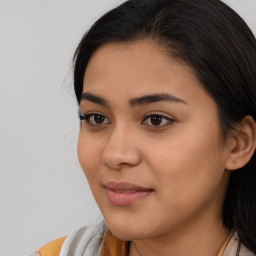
(242, 144)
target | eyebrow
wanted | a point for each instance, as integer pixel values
(147, 99)
(143, 100)
(95, 99)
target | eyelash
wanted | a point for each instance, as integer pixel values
(87, 117)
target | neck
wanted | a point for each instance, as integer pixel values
(204, 238)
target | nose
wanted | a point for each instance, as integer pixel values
(121, 149)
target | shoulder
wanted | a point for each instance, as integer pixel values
(51, 249)
(234, 248)
(84, 240)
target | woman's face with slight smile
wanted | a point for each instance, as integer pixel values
(150, 143)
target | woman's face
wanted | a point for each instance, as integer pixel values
(150, 146)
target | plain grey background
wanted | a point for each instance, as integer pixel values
(43, 192)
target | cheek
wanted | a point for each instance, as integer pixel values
(188, 166)
(89, 157)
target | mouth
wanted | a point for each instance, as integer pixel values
(122, 194)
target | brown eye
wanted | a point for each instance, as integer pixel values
(98, 119)
(95, 119)
(157, 120)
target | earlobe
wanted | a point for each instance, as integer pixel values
(243, 144)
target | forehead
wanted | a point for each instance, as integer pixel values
(133, 57)
(139, 68)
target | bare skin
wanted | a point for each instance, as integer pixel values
(172, 147)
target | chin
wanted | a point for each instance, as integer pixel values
(127, 231)
(126, 235)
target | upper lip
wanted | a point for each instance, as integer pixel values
(124, 186)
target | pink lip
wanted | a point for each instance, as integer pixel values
(121, 194)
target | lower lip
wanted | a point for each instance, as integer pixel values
(122, 199)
